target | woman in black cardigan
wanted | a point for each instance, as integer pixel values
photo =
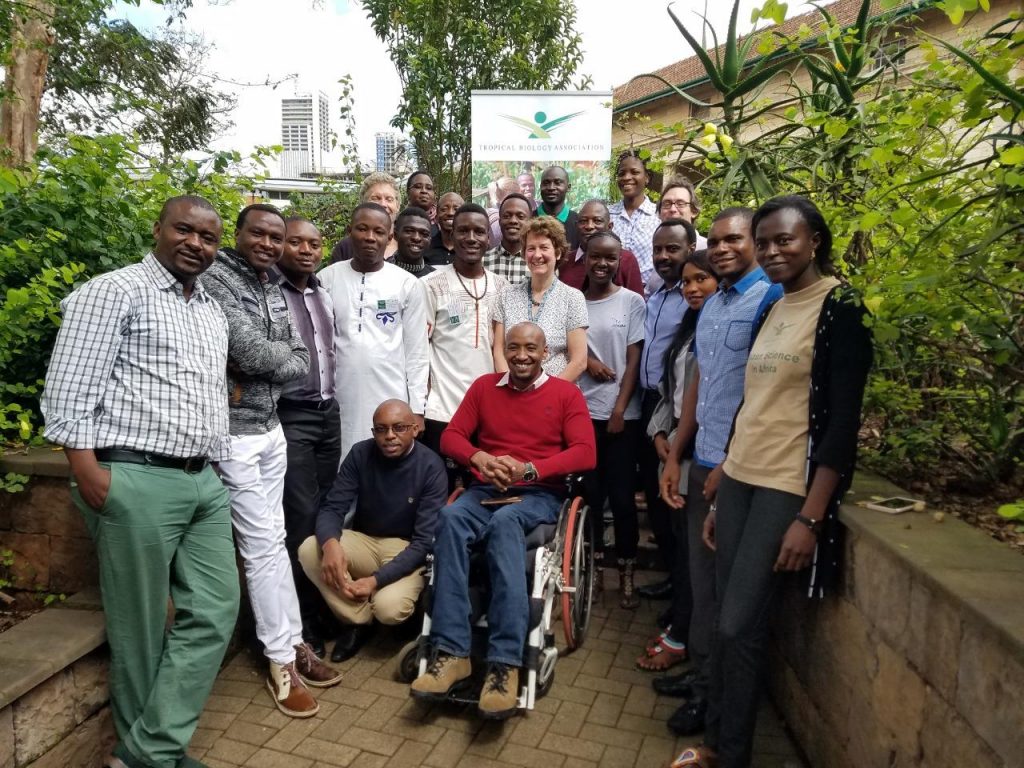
(789, 461)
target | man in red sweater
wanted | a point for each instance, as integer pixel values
(531, 430)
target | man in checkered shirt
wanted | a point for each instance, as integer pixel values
(137, 395)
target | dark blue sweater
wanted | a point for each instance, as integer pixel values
(395, 498)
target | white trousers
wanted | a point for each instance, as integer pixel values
(254, 476)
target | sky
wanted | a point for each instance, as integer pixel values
(259, 40)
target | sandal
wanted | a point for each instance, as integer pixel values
(695, 757)
(659, 656)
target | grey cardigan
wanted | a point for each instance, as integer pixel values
(264, 349)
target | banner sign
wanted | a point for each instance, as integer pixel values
(517, 134)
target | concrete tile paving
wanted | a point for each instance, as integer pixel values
(601, 713)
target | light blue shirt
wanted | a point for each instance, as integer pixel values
(664, 312)
(724, 328)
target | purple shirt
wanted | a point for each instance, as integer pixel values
(312, 313)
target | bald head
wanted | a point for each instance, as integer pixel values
(527, 330)
(391, 410)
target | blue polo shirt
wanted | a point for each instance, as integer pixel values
(722, 344)
(664, 312)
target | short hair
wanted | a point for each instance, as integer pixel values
(194, 200)
(265, 207)
(514, 196)
(549, 227)
(735, 212)
(597, 201)
(413, 175)
(469, 208)
(300, 220)
(602, 233)
(370, 207)
(630, 154)
(373, 180)
(681, 182)
(691, 233)
(411, 211)
(555, 167)
(812, 217)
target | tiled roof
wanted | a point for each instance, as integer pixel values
(686, 71)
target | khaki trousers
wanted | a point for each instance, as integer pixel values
(392, 604)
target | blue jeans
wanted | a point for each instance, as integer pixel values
(504, 529)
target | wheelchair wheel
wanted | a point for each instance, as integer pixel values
(577, 574)
(407, 662)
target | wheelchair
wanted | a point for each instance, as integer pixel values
(560, 580)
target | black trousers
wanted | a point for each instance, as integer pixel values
(614, 480)
(431, 438)
(702, 576)
(314, 452)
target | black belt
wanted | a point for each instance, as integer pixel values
(193, 464)
(306, 405)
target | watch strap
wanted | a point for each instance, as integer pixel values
(813, 525)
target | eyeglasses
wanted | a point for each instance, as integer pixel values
(681, 205)
(398, 429)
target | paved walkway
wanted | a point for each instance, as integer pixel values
(601, 711)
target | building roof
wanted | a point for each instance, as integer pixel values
(690, 71)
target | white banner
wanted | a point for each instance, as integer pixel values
(542, 126)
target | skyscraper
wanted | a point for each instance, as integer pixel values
(388, 144)
(304, 134)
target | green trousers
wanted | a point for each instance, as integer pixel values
(163, 533)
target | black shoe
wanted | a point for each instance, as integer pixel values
(680, 685)
(688, 720)
(659, 590)
(351, 639)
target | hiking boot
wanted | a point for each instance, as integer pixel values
(500, 691)
(289, 693)
(313, 671)
(630, 599)
(444, 672)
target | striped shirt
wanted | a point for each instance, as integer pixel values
(637, 232)
(137, 366)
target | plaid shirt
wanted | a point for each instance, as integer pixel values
(511, 266)
(637, 233)
(137, 366)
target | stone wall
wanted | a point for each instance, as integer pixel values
(43, 528)
(919, 658)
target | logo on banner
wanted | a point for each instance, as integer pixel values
(540, 127)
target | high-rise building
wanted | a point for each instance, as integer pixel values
(389, 145)
(305, 134)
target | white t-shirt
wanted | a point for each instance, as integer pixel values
(461, 332)
(615, 323)
(564, 309)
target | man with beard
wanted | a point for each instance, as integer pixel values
(442, 245)
(554, 186)
(135, 392)
(380, 326)
(506, 258)
(308, 409)
(572, 269)
(264, 352)
(460, 310)
(412, 231)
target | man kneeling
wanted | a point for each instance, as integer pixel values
(531, 430)
(374, 569)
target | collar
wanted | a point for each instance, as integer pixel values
(752, 278)
(646, 207)
(164, 280)
(539, 382)
(579, 255)
(276, 275)
(562, 215)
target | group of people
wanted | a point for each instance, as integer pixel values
(325, 415)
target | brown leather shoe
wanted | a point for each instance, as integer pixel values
(289, 693)
(313, 671)
(500, 691)
(444, 671)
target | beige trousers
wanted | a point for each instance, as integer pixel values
(392, 604)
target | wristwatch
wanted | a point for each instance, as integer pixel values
(529, 472)
(811, 524)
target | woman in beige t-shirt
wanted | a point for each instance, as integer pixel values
(788, 462)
